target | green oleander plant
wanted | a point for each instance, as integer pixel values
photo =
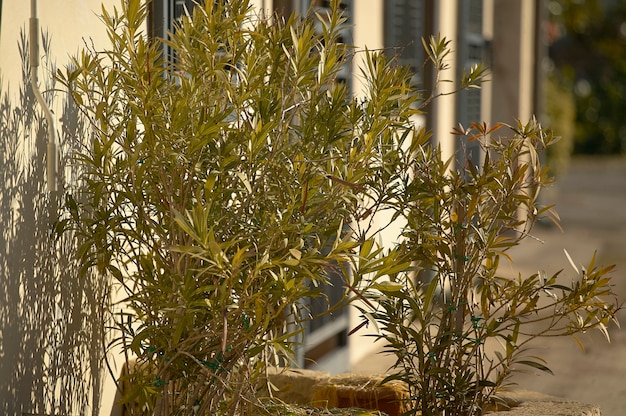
(457, 327)
(218, 190)
(226, 180)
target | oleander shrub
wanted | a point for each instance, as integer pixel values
(219, 189)
(225, 183)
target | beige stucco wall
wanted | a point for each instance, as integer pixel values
(69, 23)
(368, 32)
(444, 107)
(513, 64)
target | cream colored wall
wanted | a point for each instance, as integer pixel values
(513, 65)
(67, 21)
(487, 87)
(527, 60)
(368, 32)
(444, 108)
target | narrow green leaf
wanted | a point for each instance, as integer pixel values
(534, 364)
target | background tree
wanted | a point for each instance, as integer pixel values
(588, 49)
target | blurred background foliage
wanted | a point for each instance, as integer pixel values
(586, 86)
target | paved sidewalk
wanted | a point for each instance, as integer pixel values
(591, 201)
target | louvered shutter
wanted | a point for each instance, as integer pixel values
(471, 52)
(404, 29)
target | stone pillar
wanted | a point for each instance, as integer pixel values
(443, 109)
(513, 60)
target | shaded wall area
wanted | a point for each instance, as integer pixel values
(51, 332)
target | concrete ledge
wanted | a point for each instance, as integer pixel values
(294, 386)
(530, 403)
(310, 388)
(300, 386)
(317, 389)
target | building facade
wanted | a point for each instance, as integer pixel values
(36, 347)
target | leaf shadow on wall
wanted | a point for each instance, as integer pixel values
(51, 332)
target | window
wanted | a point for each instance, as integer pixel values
(404, 29)
(327, 332)
(471, 46)
(471, 52)
(322, 7)
(163, 14)
(284, 8)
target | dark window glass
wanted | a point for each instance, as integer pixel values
(471, 52)
(404, 29)
(163, 17)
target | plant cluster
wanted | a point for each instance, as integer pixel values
(456, 326)
(224, 185)
(217, 191)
